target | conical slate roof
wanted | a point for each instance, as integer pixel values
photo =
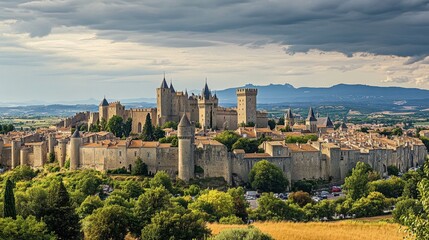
(76, 134)
(311, 116)
(172, 88)
(104, 103)
(164, 84)
(184, 122)
(343, 125)
(206, 92)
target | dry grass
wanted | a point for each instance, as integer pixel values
(342, 230)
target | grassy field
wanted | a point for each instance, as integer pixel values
(365, 229)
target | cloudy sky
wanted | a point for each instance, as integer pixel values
(56, 50)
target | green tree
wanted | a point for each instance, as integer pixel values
(412, 178)
(249, 233)
(140, 168)
(24, 229)
(392, 170)
(405, 208)
(248, 145)
(127, 127)
(170, 139)
(357, 183)
(267, 177)
(109, 222)
(115, 125)
(271, 124)
(148, 131)
(161, 178)
(158, 133)
(397, 131)
(392, 187)
(9, 208)
(227, 138)
(132, 188)
(60, 216)
(272, 208)
(240, 203)
(180, 225)
(418, 223)
(301, 139)
(154, 200)
(90, 204)
(170, 124)
(103, 125)
(215, 204)
(371, 205)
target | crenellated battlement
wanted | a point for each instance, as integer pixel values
(252, 91)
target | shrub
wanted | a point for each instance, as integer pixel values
(249, 233)
(231, 220)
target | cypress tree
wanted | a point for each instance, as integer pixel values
(147, 134)
(9, 201)
(60, 217)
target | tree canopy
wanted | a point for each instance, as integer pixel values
(267, 177)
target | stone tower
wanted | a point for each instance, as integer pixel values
(16, 146)
(75, 143)
(246, 105)
(185, 134)
(289, 118)
(103, 110)
(51, 143)
(311, 121)
(163, 103)
(24, 152)
(207, 108)
(62, 147)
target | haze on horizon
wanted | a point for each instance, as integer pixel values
(64, 50)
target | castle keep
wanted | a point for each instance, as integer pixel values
(330, 157)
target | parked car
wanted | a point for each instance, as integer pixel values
(324, 194)
(336, 189)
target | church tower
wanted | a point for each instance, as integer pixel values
(311, 121)
(246, 105)
(163, 103)
(75, 143)
(103, 110)
(289, 118)
(185, 134)
(207, 108)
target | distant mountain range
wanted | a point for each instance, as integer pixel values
(272, 94)
(284, 93)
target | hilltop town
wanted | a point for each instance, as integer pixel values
(332, 152)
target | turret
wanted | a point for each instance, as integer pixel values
(103, 110)
(163, 103)
(75, 143)
(246, 105)
(15, 151)
(24, 152)
(185, 134)
(51, 143)
(62, 147)
(207, 106)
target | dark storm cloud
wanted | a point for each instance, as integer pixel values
(388, 27)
